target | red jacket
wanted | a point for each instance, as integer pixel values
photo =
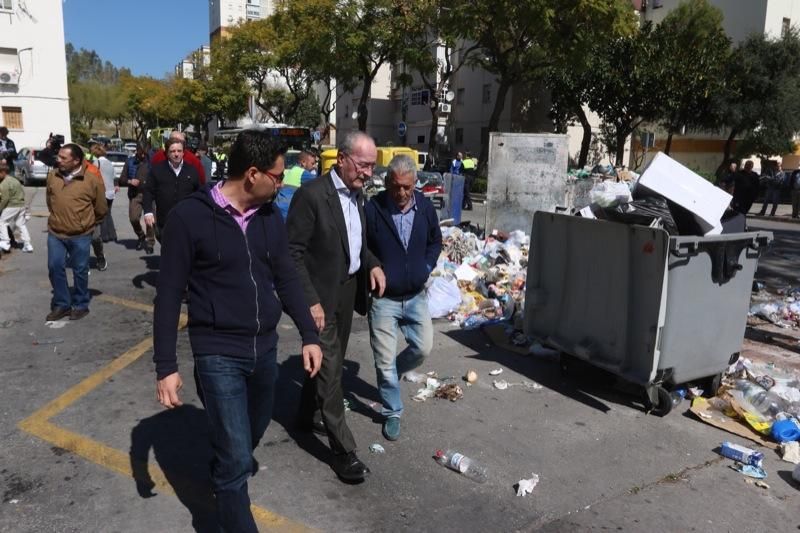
(188, 157)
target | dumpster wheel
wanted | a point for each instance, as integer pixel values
(664, 404)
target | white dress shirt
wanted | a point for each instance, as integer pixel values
(349, 202)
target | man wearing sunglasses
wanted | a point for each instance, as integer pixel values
(327, 239)
(229, 245)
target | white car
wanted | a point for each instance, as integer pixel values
(28, 169)
(118, 160)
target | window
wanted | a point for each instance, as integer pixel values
(460, 96)
(12, 116)
(459, 135)
(420, 97)
(420, 139)
(785, 27)
(487, 94)
(6, 5)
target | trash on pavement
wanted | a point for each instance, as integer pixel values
(414, 377)
(461, 464)
(785, 430)
(790, 452)
(376, 448)
(449, 391)
(500, 384)
(496, 372)
(471, 376)
(526, 486)
(431, 384)
(750, 471)
(709, 412)
(347, 404)
(42, 342)
(762, 485)
(444, 297)
(609, 193)
(741, 454)
(55, 324)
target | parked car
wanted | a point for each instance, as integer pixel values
(118, 160)
(28, 169)
(431, 184)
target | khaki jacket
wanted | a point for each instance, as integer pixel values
(78, 205)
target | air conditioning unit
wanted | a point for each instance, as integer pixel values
(9, 77)
(445, 108)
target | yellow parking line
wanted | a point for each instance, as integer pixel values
(39, 425)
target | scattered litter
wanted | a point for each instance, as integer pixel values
(755, 472)
(43, 342)
(496, 372)
(414, 377)
(526, 486)
(761, 484)
(741, 454)
(376, 448)
(431, 384)
(790, 452)
(694, 392)
(55, 324)
(471, 376)
(346, 404)
(13, 502)
(449, 391)
(501, 384)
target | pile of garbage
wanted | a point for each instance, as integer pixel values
(477, 281)
(758, 401)
(667, 195)
(781, 309)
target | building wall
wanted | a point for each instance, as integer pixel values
(34, 46)
(741, 17)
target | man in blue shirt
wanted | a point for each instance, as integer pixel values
(403, 234)
(457, 166)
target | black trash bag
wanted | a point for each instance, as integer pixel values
(643, 212)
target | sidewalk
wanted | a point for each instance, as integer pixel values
(782, 214)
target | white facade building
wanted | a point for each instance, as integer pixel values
(193, 62)
(223, 14)
(33, 72)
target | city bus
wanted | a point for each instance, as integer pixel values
(292, 137)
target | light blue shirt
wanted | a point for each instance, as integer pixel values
(403, 220)
(349, 202)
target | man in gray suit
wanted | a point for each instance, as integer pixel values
(327, 240)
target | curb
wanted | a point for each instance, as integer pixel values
(777, 218)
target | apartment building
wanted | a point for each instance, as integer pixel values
(33, 71)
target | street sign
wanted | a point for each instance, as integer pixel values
(401, 129)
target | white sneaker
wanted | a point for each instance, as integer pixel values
(5, 247)
(28, 248)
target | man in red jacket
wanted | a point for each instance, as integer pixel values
(188, 157)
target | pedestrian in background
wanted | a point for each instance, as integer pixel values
(229, 244)
(469, 178)
(794, 187)
(105, 231)
(12, 211)
(745, 191)
(328, 242)
(403, 233)
(168, 183)
(205, 160)
(8, 150)
(774, 179)
(159, 156)
(134, 176)
(76, 200)
(294, 178)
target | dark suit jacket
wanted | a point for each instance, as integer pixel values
(318, 244)
(166, 189)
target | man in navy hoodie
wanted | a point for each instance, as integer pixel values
(229, 245)
(403, 233)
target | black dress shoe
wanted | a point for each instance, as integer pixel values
(57, 314)
(349, 467)
(140, 243)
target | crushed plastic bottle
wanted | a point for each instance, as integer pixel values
(461, 464)
(767, 404)
(677, 396)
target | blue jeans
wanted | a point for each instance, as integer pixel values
(238, 395)
(412, 318)
(72, 252)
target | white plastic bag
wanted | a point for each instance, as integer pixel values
(444, 297)
(609, 193)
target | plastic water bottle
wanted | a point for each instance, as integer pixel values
(461, 464)
(765, 402)
(677, 396)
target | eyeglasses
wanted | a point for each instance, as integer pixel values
(358, 165)
(278, 178)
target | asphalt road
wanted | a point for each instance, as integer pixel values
(85, 446)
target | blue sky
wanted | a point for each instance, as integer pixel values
(147, 36)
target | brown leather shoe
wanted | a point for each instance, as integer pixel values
(77, 314)
(57, 314)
